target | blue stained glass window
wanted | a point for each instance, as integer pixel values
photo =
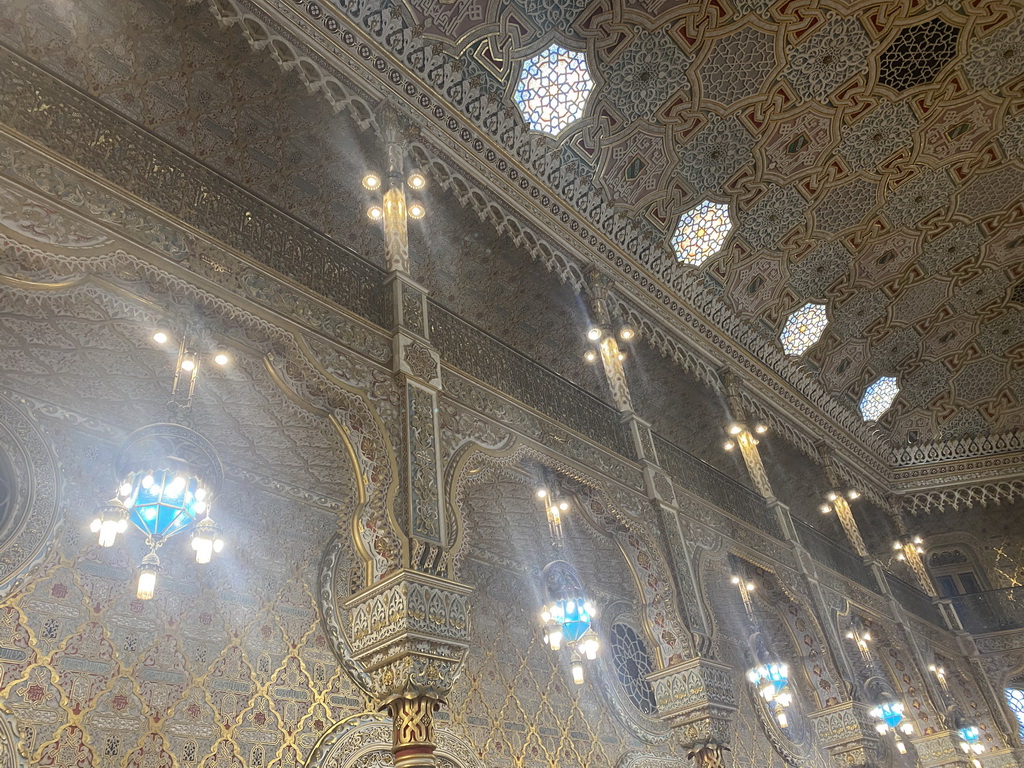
(878, 397)
(701, 232)
(553, 89)
(1015, 698)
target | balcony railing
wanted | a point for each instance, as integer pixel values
(994, 611)
(716, 487)
(833, 555)
(914, 600)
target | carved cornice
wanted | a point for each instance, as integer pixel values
(846, 731)
(941, 748)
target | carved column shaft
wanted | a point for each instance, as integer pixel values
(838, 501)
(396, 222)
(752, 458)
(849, 523)
(744, 439)
(616, 375)
(909, 548)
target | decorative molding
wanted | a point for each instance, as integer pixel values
(33, 493)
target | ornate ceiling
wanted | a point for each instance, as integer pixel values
(871, 154)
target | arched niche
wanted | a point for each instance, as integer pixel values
(883, 668)
(771, 620)
(622, 546)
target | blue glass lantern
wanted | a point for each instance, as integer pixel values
(770, 679)
(568, 616)
(970, 739)
(164, 502)
(890, 717)
(168, 475)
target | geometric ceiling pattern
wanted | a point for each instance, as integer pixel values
(871, 156)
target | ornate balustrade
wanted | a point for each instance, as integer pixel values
(996, 610)
(914, 600)
(479, 354)
(714, 486)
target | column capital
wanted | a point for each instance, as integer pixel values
(846, 731)
(410, 633)
(941, 749)
(698, 699)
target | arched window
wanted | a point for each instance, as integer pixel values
(1015, 698)
(955, 571)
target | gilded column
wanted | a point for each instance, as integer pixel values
(745, 440)
(413, 740)
(611, 355)
(837, 502)
(909, 547)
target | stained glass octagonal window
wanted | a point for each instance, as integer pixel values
(878, 397)
(553, 89)
(701, 232)
(803, 328)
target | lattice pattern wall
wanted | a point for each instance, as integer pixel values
(226, 666)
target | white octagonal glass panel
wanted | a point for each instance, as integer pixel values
(803, 328)
(701, 232)
(553, 89)
(878, 397)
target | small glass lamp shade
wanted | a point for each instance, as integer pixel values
(111, 519)
(147, 577)
(206, 540)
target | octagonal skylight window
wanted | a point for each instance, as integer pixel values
(803, 328)
(553, 89)
(701, 232)
(878, 398)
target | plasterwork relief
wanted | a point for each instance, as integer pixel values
(33, 497)
(325, 86)
(354, 418)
